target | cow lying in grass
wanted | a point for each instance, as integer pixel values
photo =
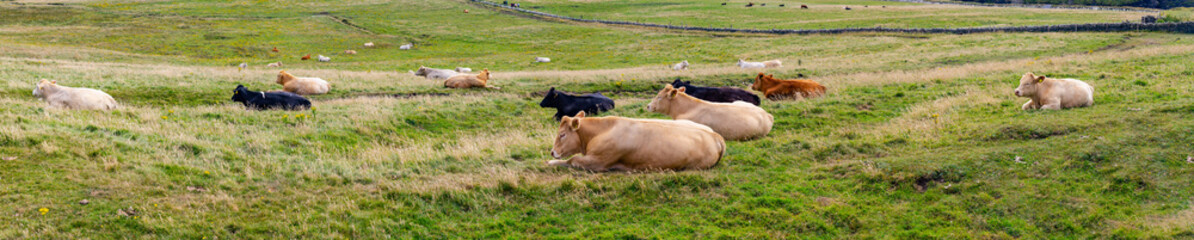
(469, 81)
(73, 98)
(681, 66)
(734, 121)
(303, 85)
(776, 89)
(435, 73)
(269, 100)
(763, 64)
(1054, 94)
(569, 105)
(625, 144)
(717, 94)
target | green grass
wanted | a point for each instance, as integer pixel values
(916, 138)
(822, 14)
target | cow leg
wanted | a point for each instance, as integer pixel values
(1051, 104)
(558, 163)
(591, 163)
(1028, 105)
(620, 167)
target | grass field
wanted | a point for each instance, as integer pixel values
(916, 138)
(820, 14)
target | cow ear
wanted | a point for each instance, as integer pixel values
(55, 82)
(574, 123)
(674, 92)
(1040, 79)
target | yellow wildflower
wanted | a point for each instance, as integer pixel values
(43, 210)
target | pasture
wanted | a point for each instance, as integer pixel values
(918, 136)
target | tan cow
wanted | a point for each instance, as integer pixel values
(1054, 94)
(618, 143)
(734, 121)
(302, 85)
(469, 81)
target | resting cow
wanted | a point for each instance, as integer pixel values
(776, 89)
(734, 121)
(717, 94)
(269, 100)
(763, 64)
(302, 85)
(569, 105)
(1054, 94)
(623, 144)
(469, 81)
(680, 66)
(435, 73)
(73, 98)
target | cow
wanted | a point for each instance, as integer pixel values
(470, 81)
(775, 89)
(802, 6)
(64, 97)
(683, 65)
(434, 73)
(324, 59)
(569, 105)
(733, 121)
(1054, 94)
(629, 144)
(463, 69)
(764, 64)
(302, 85)
(269, 100)
(717, 94)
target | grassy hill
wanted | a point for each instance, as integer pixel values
(917, 137)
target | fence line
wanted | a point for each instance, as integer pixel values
(1180, 27)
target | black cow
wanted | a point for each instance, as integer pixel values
(717, 94)
(269, 100)
(568, 105)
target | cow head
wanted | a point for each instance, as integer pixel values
(567, 141)
(240, 94)
(678, 83)
(1028, 85)
(759, 82)
(663, 101)
(284, 77)
(422, 72)
(551, 99)
(484, 75)
(41, 87)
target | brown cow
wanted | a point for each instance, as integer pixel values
(618, 143)
(734, 121)
(469, 81)
(776, 89)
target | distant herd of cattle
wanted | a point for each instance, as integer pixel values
(703, 117)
